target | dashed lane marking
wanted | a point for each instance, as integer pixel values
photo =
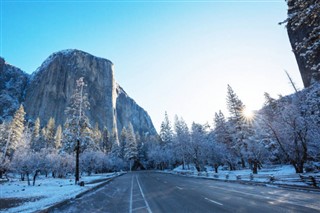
(146, 202)
(179, 187)
(212, 201)
(130, 205)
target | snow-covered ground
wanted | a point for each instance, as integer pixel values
(45, 193)
(278, 174)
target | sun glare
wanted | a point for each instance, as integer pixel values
(248, 114)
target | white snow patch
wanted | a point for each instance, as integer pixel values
(49, 191)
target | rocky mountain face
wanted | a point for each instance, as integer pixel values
(49, 89)
(13, 83)
(303, 30)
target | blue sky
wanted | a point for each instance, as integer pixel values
(175, 56)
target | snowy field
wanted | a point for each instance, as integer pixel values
(278, 174)
(17, 196)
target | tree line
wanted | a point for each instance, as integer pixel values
(284, 131)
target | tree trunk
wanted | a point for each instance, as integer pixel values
(255, 167)
(77, 161)
(216, 168)
(243, 164)
(22, 177)
(298, 167)
(28, 178)
(34, 177)
(196, 162)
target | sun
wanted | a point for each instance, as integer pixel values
(248, 114)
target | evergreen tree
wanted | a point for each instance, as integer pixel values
(36, 129)
(166, 133)
(221, 130)
(106, 144)
(15, 133)
(49, 134)
(182, 141)
(237, 120)
(77, 126)
(97, 135)
(36, 136)
(115, 144)
(122, 143)
(131, 149)
(58, 138)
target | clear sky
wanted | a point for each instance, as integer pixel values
(174, 56)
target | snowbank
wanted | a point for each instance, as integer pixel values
(46, 192)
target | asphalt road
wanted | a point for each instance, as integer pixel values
(157, 192)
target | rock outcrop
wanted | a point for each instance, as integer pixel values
(304, 29)
(13, 83)
(50, 88)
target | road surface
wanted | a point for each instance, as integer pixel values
(139, 192)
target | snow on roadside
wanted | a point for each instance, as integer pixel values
(47, 191)
(282, 174)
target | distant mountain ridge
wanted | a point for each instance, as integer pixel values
(46, 93)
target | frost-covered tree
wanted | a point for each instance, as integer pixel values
(77, 126)
(58, 138)
(197, 145)
(166, 133)
(236, 107)
(49, 133)
(36, 129)
(15, 132)
(290, 122)
(4, 134)
(221, 130)
(78, 132)
(120, 148)
(182, 141)
(131, 149)
(115, 143)
(97, 135)
(105, 143)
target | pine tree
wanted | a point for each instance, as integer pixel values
(97, 135)
(106, 144)
(122, 143)
(77, 126)
(50, 133)
(16, 132)
(78, 132)
(221, 130)
(131, 150)
(58, 138)
(236, 107)
(36, 129)
(4, 134)
(166, 133)
(182, 138)
(115, 144)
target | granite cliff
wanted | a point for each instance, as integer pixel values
(46, 93)
(13, 82)
(303, 25)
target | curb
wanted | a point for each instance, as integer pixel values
(265, 184)
(64, 202)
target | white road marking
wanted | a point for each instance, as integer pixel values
(130, 205)
(146, 202)
(212, 201)
(143, 207)
(179, 187)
